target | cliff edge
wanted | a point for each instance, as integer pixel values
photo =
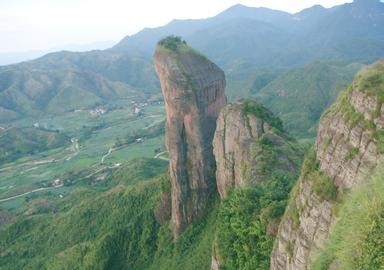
(350, 144)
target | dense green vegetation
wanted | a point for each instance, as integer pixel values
(110, 224)
(322, 185)
(259, 111)
(371, 81)
(245, 217)
(18, 142)
(248, 218)
(172, 43)
(112, 229)
(357, 239)
(300, 95)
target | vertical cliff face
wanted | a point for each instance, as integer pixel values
(239, 157)
(350, 143)
(193, 89)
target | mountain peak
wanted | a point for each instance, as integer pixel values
(311, 11)
(366, 3)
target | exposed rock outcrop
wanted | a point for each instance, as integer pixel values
(193, 89)
(349, 145)
(238, 156)
(251, 151)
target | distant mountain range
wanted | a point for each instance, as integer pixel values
(18, 57)
(246, 42)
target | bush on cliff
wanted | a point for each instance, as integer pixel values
(172, 43)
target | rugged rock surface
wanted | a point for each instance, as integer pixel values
(349, 145)
(193, 89)
(252, 151)
(238, 157)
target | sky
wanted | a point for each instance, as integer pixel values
(27, 25)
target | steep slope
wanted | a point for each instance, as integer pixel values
(301, 95)
(65, 81)
(257, 164)
(349, 146)
(193, 89)
(18, 142)
(356, 240)
(239, 127)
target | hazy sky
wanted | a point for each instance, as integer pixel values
(41, 24)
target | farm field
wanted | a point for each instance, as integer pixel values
(98, 141)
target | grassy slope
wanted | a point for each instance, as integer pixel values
(300, 96)
(17, 142)
(65, 81)
(357, 238)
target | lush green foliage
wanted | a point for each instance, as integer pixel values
(244, 217)
(113, 229)
(323, 186)
(172, 43)
(357, 239)
(352, 152)
(66, 81)
(299, 96)
(371, 81)
(348, 111)
(248, 218)
(258, 110)
(17, 142)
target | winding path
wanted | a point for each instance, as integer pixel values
(26, 193)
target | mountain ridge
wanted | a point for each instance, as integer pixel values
(267, 43)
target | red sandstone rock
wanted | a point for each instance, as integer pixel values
(193, 89)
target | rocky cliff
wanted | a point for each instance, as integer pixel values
(193, 89)
(239, 157)
(350, 143)
(255, 158)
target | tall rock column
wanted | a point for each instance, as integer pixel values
(193, 90)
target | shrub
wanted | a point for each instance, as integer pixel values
(352, 152)
(258, 110)
(323, 186)
(357, 239)
(172, 42)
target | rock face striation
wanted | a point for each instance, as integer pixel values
(252, 151)
(239, 157)
(193, 90)
(350, 144)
